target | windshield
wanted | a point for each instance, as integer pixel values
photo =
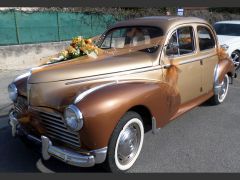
(134, 36)
(227, 29)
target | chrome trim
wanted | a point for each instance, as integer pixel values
(197, 59)
(79, 115)
(217, 85)
(28, 88)
(140, 70)
(89, 91)
(178, 41)
(22, 76)
(55, 127)
(190, 61)
(68, 156)
(45, 146)
(154, 126)
(224, 46)
(224, 88)
(21, 106)
(99, 154)
(13, 123)
(28, 93)
(128, 143)
(71, 157)
(33, 138)
(104, 76)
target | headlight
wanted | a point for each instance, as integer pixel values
(73, 118)
(12, 92)
(224, 46)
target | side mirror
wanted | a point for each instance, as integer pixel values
(172, 49)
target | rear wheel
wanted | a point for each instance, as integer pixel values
(126, 143)
(220, 97)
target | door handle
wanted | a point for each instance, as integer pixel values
(166, 66)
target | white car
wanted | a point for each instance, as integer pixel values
(228, 33)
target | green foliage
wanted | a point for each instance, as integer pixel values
(232, 10)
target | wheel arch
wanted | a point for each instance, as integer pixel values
(145, 114)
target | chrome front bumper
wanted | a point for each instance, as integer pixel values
(66, 155)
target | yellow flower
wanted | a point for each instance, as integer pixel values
(76, 40)
(88, 41)
(96, 51)
(64, 53)
(71, 50)
(78, 46)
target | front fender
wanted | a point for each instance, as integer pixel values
(103, 108)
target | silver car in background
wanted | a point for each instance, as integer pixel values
(228, 33)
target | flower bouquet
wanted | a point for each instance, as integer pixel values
(78, 47)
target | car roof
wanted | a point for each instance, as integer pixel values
(228, 22)
(163, 22)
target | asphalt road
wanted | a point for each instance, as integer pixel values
(205, 139)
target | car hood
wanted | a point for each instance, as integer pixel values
(88, 67)
(228, 40)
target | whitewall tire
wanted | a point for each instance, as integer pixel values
(222, 93)
(126, 143)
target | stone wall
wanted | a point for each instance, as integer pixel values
(28, 55)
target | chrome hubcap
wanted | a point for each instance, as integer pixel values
(224, 88)
(128, 144)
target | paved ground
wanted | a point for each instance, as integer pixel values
(205, 139)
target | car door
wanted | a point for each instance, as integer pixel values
(184, 54)
(207, 54)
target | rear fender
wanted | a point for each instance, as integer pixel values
(225, 66)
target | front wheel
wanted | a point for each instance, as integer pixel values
(126, 143)
(220, 97)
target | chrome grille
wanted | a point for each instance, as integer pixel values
(56, 129)
(21, 106)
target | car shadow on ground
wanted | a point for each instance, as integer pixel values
(206, 104)
(16, 156)
(56, 165)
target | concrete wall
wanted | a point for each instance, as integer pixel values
(28, 55)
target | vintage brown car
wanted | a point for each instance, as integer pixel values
(93, 111)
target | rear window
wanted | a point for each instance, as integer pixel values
(205, 38)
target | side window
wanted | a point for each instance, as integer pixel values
(205, 38)
(185, 40)
(181, 42)
(114, 39)
(172, 47)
